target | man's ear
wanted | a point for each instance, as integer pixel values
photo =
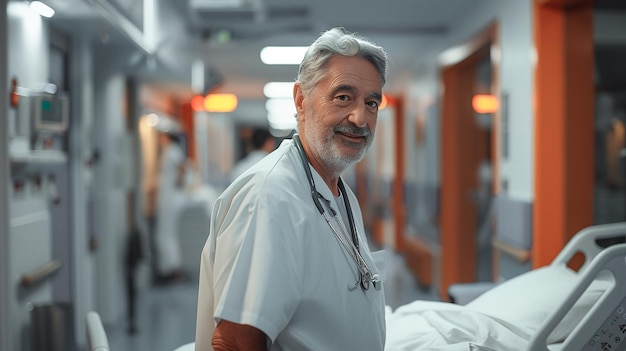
(298, 98)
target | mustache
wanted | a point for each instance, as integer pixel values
(364, 132)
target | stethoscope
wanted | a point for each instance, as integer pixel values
(365, 274)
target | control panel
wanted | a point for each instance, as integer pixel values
(39, 138)
(611, 335)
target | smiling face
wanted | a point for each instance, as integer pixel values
(337, 118)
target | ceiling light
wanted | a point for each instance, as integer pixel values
(197, 103)
(280, 113)
(485, 103)
(278, 90)
(42, 9)
(281, 105)
(282, 121)
(283, 55)
(383, 103)
(220, 102)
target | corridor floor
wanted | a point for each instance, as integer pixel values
(166, 315)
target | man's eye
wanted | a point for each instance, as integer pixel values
(372, 104)
(343, 97)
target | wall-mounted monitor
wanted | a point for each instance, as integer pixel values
(50, 112)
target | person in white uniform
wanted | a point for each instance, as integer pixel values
(170, 201)
(286, 265)
(262, 142)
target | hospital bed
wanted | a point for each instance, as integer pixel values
(550, 308)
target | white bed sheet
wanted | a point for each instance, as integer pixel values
(442, 326)
(504, 318)
(550, 304)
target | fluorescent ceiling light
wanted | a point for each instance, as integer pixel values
(278, 90)
(281, 105)
(220, 4)
(282, 121)
(283, 55)
(42, 9)
(281, 113)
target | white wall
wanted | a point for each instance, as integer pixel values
(5, 336)
(516, 80)
(81, 148)
(111, 180)
(28, 46)
(29, 216)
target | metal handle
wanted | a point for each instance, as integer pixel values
(41, 273)
(518, 254)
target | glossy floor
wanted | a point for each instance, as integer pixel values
(166, 315)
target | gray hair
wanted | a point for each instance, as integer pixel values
(337, 41)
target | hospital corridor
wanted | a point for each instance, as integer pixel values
(416, 175)
(166, 315)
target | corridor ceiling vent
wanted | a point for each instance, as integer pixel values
(282, 55)
(235, 20)
(42, 9)
(224, 5)
(485, 103)
(224, 11)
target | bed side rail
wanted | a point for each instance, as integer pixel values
(613, 260)
(586, 242)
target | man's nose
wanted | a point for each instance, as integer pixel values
(359, 115)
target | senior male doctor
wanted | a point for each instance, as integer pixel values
(286, 265)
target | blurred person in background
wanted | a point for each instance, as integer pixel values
(170, 200)
(262, 142)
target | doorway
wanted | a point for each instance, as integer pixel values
(468, 163)
(610, 117)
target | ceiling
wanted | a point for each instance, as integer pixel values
(228, 40)
(400, 26)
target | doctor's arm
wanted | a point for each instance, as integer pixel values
(231, 336)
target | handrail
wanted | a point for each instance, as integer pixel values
(520, 255)
(41, 273)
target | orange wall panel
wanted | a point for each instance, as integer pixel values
(564, 117)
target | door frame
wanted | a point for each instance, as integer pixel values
(564, 117)
(458, 137)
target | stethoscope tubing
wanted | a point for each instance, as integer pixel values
(365, 274)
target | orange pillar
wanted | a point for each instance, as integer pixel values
(187, 122)
(399, 211)
(564, 116)
(457, 216)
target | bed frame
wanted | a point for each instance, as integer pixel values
(96, 335)
(603, 327)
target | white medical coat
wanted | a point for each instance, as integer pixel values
(271, 261)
